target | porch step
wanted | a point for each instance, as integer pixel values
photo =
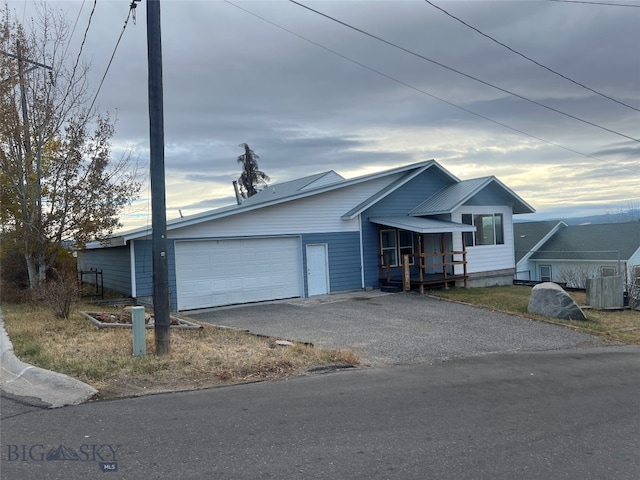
(391, 286)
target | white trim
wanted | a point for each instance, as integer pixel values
(237, 209)
(579, 260)
(325, 247)
(132, 256)
(550, 276)
(422, 225)
(357, 210)
(525, 258)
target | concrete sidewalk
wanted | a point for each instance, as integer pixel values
(35, 385)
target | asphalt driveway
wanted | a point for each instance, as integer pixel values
(402, 328)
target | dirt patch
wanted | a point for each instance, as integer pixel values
(124, 318)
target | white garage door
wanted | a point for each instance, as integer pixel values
(211, 273)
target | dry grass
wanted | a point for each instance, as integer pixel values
(199, 358)
(609, 325)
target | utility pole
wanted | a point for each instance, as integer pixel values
(158, 202)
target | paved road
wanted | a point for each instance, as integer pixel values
(569, 414)
(396, 328)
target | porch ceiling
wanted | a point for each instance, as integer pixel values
(422, 225)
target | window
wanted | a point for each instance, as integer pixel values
(489, 229)
(394, 244)
(607, 271)
(389, 247)
(545, 273)
(467, 219)
(405, 243)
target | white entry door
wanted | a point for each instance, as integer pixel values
(317, 269)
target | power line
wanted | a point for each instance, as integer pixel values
(84, 39)
(597, 3)
(73, 30)
(529, 58)
(405, 84)
(132, 8)
(462, 73)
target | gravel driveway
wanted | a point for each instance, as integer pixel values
(396, 328)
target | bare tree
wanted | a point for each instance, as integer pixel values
(628, 215)
(632, 285)
(57, 178)
(251, 176)
(576, 277)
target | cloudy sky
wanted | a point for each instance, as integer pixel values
(309, 94)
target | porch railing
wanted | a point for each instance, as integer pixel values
(417, 263)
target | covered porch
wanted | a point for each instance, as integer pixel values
(415, 252)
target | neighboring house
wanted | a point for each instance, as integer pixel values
(555, 251)
(324, 234)
(529, 237)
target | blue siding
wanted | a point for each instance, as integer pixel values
(371, 250)
(344, 259)
(409, 196)
(115, 264)
(144, 270)
(398, 203)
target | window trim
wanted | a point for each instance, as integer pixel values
(393, 260)
(471, 238)
(402, 247)
(550, 277)
(398, 247)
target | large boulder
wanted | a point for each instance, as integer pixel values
(551, 300)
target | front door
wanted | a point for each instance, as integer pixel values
(432, 244)
(317, 270)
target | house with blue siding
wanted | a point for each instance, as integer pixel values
(324, 234)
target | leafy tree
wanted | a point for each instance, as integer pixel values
(251, 176)
(58, 180)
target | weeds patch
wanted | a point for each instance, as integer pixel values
(201, 358)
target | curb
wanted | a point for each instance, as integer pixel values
(35, 385)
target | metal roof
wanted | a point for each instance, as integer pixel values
(284, 192)
(422, 225)
(454, 196)
(287, 189)
(528, 235)
(592, 242)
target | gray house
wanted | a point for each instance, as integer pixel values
(325, 234)
(555, 251)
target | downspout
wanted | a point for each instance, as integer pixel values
(361, 252)
(132, 257)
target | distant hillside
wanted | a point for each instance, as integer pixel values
(632, 215)
(621, 217)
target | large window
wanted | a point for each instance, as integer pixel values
(489, 229)
(394, 244)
